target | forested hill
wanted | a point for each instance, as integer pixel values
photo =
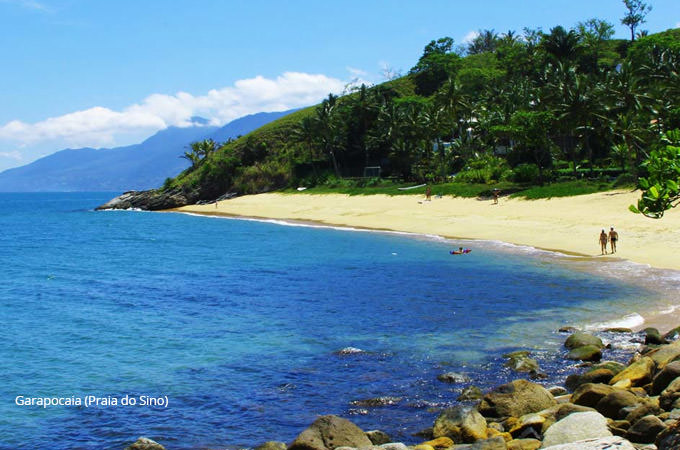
(531, 107)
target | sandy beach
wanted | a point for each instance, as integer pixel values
(569, 225)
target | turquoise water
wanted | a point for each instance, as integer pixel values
(238, 323)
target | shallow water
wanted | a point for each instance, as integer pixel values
(238, 322)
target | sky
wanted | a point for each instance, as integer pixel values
(105, 73)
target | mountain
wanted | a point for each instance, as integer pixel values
(134, 167)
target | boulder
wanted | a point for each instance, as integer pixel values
(669, 439)
(272, 445)
(470, 393)
(462, 424)
(639, 373)
(581, 339)
(329, 432)
(672, 335)
(453, 377)
(494, 443)
(653, 336)
(665, 354)
(557, 390)
(393, 446)
(440, 443)
(593, 376)
(669, 395)
(561, 411)
(145, 444)
(576, 427)
(612, 404)
(516, 398)
(377, 437)
(153, 200)
(524, 444)
(665, 377)
(529, 426)
(589, 394)
(645, 408)
(614, 366)
(645, 430)
(585, 353)
(606, 443)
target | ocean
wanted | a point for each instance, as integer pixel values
(204, 332)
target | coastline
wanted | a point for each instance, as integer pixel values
(568, 226)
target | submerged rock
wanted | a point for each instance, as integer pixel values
(329, 432)
(521, 362)
(145, 444)
(453, 377)
(376, 402)
(470, 393)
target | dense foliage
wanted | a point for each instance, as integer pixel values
(531, 107)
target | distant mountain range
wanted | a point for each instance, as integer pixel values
(134, 167)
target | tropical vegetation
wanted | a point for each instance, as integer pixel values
(528, 108)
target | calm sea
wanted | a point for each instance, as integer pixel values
(237, 324)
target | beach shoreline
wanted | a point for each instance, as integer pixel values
(567, 226)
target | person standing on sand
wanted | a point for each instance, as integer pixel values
(428, 194)
(603, 242)
(613, 237)
(496, 192)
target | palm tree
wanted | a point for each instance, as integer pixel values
(562, 45)
(327, 129)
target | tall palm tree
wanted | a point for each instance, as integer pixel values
(561, 44)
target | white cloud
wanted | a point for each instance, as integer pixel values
(470, 37)
(677, 25)
(100, 126)
(15, 155)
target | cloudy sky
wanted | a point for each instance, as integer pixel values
(86, 73)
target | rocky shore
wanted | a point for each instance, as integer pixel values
(607, 405)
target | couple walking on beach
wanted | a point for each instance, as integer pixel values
(612, 238)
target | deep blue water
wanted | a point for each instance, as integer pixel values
(238, 323)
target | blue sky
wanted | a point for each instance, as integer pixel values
(107, 73)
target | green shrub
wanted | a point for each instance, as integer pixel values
(526, 173)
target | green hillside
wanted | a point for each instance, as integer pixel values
(524, 109)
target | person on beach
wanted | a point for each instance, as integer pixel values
(603, 242)
(496, 192)
(613, 237)
(428, 194)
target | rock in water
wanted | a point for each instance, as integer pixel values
(453, 377)
(145, 444)
(272, 445)
(462, 424)
(516, 398)
(585, 353)
(577, 427)
(378, 437)
(581, 339)
(329, 432)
